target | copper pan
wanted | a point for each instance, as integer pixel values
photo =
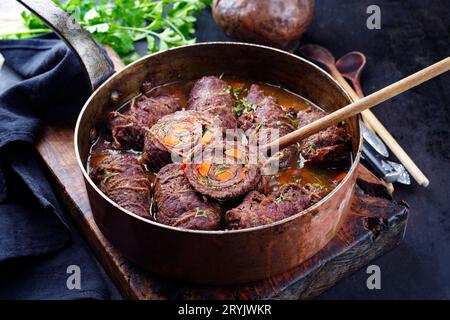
(207, 257)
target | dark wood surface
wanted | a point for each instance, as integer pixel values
(375, 224)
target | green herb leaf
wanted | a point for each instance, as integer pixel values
(163, 24)
(294, 122)
(319, 186)
(199, 213)
(221, 170)
(242, 106)
(312, 148)
(281, 198)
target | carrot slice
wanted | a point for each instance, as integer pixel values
(171, 140)
(224, 175)
(203, 168)
(207, 137)
(235, 153)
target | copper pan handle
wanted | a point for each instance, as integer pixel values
(96, 65)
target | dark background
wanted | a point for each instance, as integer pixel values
(413, 35)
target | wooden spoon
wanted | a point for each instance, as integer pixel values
(361, 105)
(323, 56)
(351, 66)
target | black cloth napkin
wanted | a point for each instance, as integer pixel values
(37, 246)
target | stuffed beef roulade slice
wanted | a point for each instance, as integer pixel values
(327, 148)
(175, 136)
(211, 95)
(122, 178)
(258, 209)
(224, 172)
(179, 205)
(128, 129)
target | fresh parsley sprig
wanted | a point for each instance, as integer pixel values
(281, 198)
(162, 23)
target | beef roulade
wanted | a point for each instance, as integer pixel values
(179, 205)
(121, 177)
(175, 136)
(128, 129)
(224, 172)
(262, 115)
(257, 209)
(210, 95)
(329, 147)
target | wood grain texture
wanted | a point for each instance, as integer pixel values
(375, 225)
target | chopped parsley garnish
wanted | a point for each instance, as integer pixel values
(312, 148)
(294, 122)
(221, 170)
(292, 116)
(319, 186)
(260, 125)
(281, 198)
(242, 106)
(199, 213)
(296, 180)
(235, 91)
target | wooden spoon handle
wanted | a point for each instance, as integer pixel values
(362, 104)
(367, 115)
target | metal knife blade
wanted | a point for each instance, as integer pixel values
(374, 141)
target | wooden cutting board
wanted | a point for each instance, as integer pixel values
(375, 225)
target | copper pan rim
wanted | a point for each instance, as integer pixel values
(317, 205)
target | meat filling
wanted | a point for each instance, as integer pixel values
(174, 138)
(224, 173)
